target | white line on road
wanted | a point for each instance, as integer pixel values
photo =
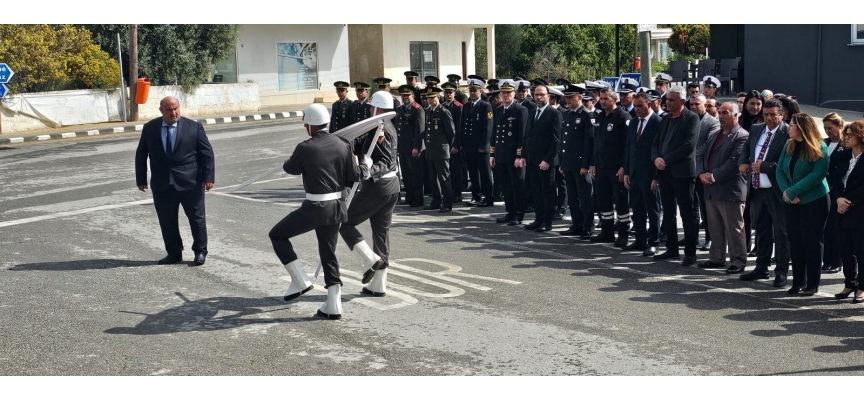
(73, 212)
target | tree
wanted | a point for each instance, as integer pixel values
(481, 63)
(174, 54)
(59, 57)
(689, 41)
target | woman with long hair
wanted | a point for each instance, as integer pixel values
(801, 173)
(849, 192)
(790, 108)
(831, 260)
(752, 112)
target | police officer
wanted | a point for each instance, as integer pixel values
(626, 91)
(505, 153)
(360, 108)
(410, 123)
(384, 84)
(610, 135)
(327, 165)
(459, 95)
(577, 146)
(457, 161)
(438, 139)
(710, 85)
(474, 144)
(341, 116)
(375, 199)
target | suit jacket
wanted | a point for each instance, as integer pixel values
(853, 190)
(638, 163)
(729, 184)
(577, 140)
(439, 134)
(679, 138)
(544, 137)
(509, 135)
(192, 162)
(802, 178)
(833, 162)
(708, 125)
(476, 126)
(772, 155)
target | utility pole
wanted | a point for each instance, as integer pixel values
(635, 45)
(133, 71)
(645, 43)
(617, 50)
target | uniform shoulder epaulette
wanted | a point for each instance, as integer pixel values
(456, 103)
(415, 105)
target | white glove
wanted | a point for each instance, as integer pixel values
(367, 161)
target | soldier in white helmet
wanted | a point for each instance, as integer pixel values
(327, 166)
(375, 200)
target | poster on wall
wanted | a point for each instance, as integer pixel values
(297, 65)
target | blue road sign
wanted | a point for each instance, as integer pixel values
(3, 90)
(612, 81)
(5, 73)
(633, 76)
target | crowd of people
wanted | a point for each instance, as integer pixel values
(637, 157)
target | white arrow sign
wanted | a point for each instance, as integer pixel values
(5, 73)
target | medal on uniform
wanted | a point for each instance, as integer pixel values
(509, 133)
(610, 126)
(578, 121)
(593, 122)
(436, 127)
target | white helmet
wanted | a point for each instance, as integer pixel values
(382, 99)
(316, 115)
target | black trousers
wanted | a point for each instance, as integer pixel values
(677, 194)
(805, 225)
(439, 180)
(297, 223)
(831, 254)
(767, 213)
(643, 200)
(379, 211)
(852, 251)
(531, 189)
(512, 186)
(579, 197)
(611, 196)
(412, 178)
(699, 190)
(167, 203)
(457, 172)
(481, 175)
(561, 189)
(544, 190)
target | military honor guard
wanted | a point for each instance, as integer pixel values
(327, 166)
(438, 139)
(474, 142)
(410, 124)
(505, 152)
(457, 161)
(577, 147)
(340, 115)
(361, 109)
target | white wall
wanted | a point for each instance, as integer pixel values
(397, 54)
(256, 58)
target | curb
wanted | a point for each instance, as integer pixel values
(138, 127)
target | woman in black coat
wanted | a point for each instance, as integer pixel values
(847, 182)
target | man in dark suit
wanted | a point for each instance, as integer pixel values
(410, 123)
(474, 143)
(708, 126)
(541, 149)
(673, 152)
(438, 138)
(639, 173)
(760, 159)
(577, 147)
(725, 190)
(182, 167)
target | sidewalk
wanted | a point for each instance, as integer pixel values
(106, 128)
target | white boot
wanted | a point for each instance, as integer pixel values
(378, 286)
(300, 282)
(371, 261)
(332, 308)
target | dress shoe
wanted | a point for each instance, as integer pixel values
(752, 254)
(472, 203)
(486, 204)
(585, 236)
(689, 260)
(667, 255)
(506, 218)
(844, 294)
(758, 273)
(735, 269)
(635, 246)
(517, 219)
(794, 290)
(809, 291)
(445, 209)
(432, 207)
(825, 267)
(532, 226)
(559, 215)
(603, 238)
(544, 227)
(833, 270)
(711, 265)
(171, 259)
(649, 252)
(779, 280)
(571, 232)
(621, 241)
(706, 246)
(200, 258)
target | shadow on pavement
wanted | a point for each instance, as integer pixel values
(81, 265)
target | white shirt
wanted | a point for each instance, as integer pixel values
(852, 163)
(764, 182)
(539, 112)
(832, 146)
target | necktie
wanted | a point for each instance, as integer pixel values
(639, 131)
(536, 117)
(761, 157)
(169, 141)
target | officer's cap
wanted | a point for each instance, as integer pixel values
(405, 89)
(454, 78)
(411, 74)
(519, 77)
(448, 87)
(710, 81)
(538, 81)
(341, 85)
(361, 85)
(627, 87)
(493, 90)
(476, 77)
(587, 95)
(571, 90)
(653, 94)
(475, 83)
(521, 85)
(562, 82)
(493, 81)
(507, 85)
(554, 91)
(431, 91)
(382, 81)
(662, 77)
(431, 80)
(597, 85)
(693, 84)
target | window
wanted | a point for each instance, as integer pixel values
(858, 33)
(297, 65)
(424, 58)
(225, 71)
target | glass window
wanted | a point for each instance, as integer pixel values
(424, 58)
(225, 71)
(858, 33)
(297, 65)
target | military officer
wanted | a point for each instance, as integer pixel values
(474, 142)
(438, 139)
(459, 95)
(577, 145)
(360, 108)
(710, 84)
(521, 96)
(410, 123)
(458, 170)
(505, 153)
(384, 84)
(340, 115)
(661, 84)
(411, 80)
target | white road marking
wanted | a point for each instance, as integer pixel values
(43, 137)
(119, 129)
(73, 212)
(68, 135)
(93, 133)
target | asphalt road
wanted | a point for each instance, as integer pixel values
(81, 294)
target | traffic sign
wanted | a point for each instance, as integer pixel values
(647, 27)
(3, 90)
(5, 73)
(633, 76)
